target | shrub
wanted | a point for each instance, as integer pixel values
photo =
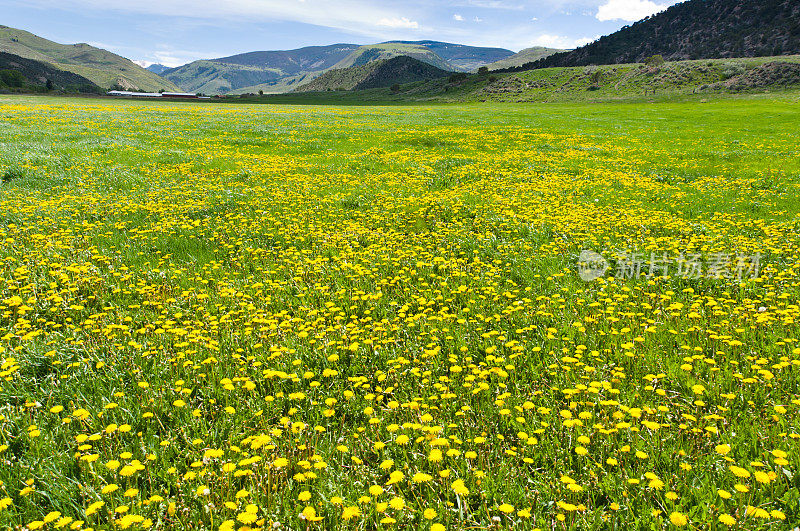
(457, 77)
(12, 78)
(654, 60)
(732, 70)
(483, 71)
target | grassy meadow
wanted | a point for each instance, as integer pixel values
(287, 317)
(619, 83)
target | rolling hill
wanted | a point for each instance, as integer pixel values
(254, 70)
(528, 55)
(101, 67)
(37, 74)
(279, 86)
(458, 57)
(375, 74)
(631, 82)
(695, 29)
(292, 62)
(387, 50)
(213, 77)
(282, 71)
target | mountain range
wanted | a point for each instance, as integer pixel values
(281, 71)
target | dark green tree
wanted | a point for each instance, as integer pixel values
(12, 78)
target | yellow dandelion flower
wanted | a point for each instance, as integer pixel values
(678, 519)
(348, 513)
(459, 487)
(397, 503)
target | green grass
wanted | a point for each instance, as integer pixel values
(308, 292)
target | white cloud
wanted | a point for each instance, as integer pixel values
(357, 16)
(164, 55)
(562, 42)
(458, 17)
(398, 22)
(492, 4)
(171, 59)
(630, 10)
(478, 19)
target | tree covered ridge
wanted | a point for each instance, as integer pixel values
(696, 29)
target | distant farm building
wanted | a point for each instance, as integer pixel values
(129, 94)
(180, 95)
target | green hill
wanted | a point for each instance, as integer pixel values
(293, 62)
(381, 73)
(461, 57)
(20, 73)
(624, 82)
(213, 77)
(249, 72)
(695, 29)
(528, 55)
(387, 50)
(285, 84)
(102, 67)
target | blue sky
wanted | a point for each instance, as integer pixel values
(174, 32)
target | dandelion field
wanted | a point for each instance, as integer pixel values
(285, 317)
